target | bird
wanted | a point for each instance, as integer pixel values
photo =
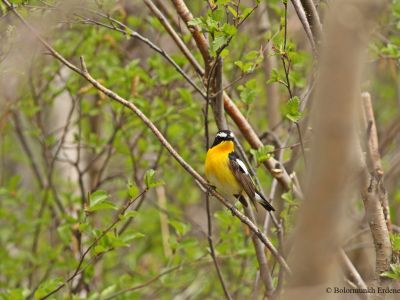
(228, 174)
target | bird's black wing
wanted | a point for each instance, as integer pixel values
(241, 174)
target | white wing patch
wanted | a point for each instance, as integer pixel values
(242, 166)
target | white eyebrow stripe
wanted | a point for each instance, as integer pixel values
(222, 134)
(242, 165)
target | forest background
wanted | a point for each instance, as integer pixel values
(108, 108)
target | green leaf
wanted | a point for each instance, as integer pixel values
(224, 53)
(218, 14)
(240, 64)
(108, 291)
(180, 228)
(195, 22)
(133, 190)
(229, 29)
(14, 294)
(99, 201)
(288, 197)
(395, 241)
(129, 214)
(211, 25)
(232, 11)
(292, 109)
(393, 273)
(65, 234)
(130, 236)
(248, 91)
(150, 181)
(217, 43)
(47, 286)
(274, 77)
(251, 55)
(247, 11)
(262, 154)
(100, 249)
(245, 66)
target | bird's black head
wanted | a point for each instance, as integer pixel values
(223, 135)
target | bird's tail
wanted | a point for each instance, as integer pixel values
(264, 203)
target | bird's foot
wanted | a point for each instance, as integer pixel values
(212, 187)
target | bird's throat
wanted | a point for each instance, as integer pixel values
(225, 146)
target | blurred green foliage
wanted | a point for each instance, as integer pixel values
(109, 156)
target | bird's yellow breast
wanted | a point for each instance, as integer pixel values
(217, 169)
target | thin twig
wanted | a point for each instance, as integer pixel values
(212, 250)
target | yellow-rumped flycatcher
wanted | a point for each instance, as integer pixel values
(229, 174)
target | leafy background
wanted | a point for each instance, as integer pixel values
(70, 158)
